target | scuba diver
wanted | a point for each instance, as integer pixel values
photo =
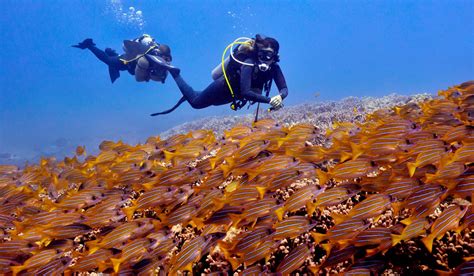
(143, 57)
(240, 78)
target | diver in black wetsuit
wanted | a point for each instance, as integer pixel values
(143, 57)
(246, 81)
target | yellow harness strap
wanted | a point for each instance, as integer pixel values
(139, 56)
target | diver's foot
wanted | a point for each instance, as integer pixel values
(86, 44)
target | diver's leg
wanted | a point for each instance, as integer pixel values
(113, 61)
(100, 54)
(214, 94)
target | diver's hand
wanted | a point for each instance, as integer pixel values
(276, 102)
(86, 44)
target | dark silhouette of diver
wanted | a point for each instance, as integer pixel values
(143, 57)
(249, 70)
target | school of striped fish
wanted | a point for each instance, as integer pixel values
(261, 199)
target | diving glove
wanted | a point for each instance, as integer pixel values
(87, 43)
(276, 102)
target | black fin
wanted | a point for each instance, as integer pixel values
(88, 42)
(114, 73)
(182, 100)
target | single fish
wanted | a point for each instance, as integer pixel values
(426, 157)
(263, 251)
(423, 195)
(82, 199)
(120, 234)
(335, 256)
(40, 259)
(341, 233)
(16, 247)
(185, 153)
(280, 180)
(447, 220)
(64, 232)
(378, 239)
(226, 150)
(334, 196)
(299, 199)
(348, 170)
(464, 154)
(222, 216)
(86, 263)
(265, 124)
(241, 195)
(272, 166)
(190, 253)
(214, 179)
(133, 251)
(446, 172)
(248, 151)
(294, 259)
(237, 132)
(465, 187)
(413, 230)
(307, 153)
(291, 227)
(55, 267)
(400, 187)
(372, 206)
(182, 215)
(161, 195)
(252, 212)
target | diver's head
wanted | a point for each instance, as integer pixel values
(146, 39)
(267, 52)
(164, 51)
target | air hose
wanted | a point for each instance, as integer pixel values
(230, 46)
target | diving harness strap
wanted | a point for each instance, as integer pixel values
(139, 56)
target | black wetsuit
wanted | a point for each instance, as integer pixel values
(110, 58)
(247, 83)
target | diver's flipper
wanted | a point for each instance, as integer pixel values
(114, 73)
(158, 61)
(182, 100)
(84, 44)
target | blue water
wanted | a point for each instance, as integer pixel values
(54, 97)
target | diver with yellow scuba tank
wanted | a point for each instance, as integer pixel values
(142, 57)
(240, 78)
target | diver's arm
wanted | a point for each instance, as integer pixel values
(280, 81)
(246, 85)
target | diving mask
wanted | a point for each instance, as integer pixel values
(266, 55)
(265, 59)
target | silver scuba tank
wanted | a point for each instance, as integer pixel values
(217, 71)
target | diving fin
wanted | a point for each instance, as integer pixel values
(182, 100)
(87, 43)
(114, 72)
(156, 60)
